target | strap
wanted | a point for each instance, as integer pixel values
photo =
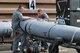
(25, 32)
(72, 38)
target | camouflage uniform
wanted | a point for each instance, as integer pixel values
(17, 32)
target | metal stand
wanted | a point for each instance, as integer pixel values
(78, 50)
(2, 39)
(54, 47)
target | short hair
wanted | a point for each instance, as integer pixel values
(19, 7)
(39, 10)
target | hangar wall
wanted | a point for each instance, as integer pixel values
(7, 7)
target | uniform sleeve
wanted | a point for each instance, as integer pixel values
(46, 16)
(21, 17)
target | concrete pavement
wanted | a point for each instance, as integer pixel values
(5, 48)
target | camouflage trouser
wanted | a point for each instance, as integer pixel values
(18, 36)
